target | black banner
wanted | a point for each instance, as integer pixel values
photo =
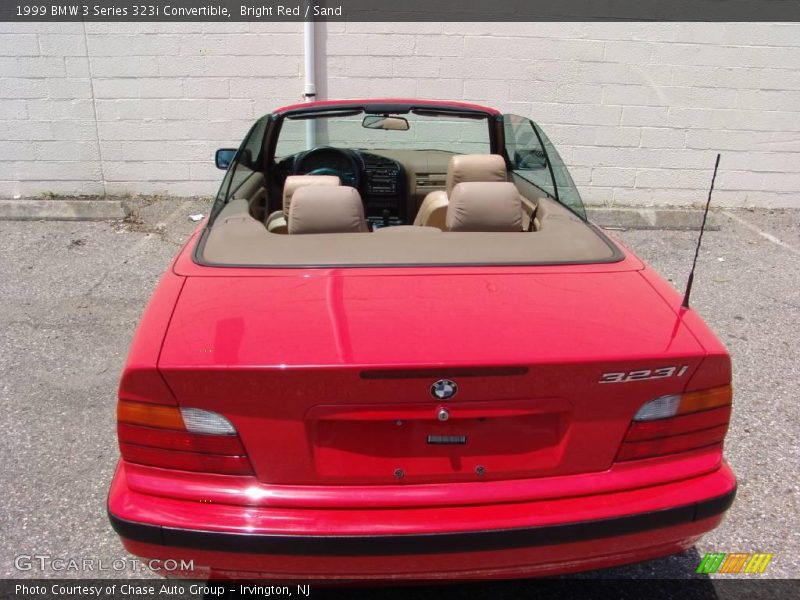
(392, 10)
(696, 588)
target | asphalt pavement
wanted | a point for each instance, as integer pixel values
(72, 292)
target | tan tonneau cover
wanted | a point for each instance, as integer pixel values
(562, 238)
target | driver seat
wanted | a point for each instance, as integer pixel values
(461, 168)
(278, 221)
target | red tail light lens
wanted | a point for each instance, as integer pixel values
(228, 445)
(189, 439)
(679, 423)
(186, 461)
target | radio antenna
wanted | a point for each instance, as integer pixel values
(685, 303)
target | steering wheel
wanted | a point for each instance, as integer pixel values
(313, 163)
(325, 171)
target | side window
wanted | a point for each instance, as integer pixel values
(534, 158)
(567, 192)
(247, 160)
(527, 156)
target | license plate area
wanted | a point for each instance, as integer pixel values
(402, 443)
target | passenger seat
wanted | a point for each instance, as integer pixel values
(462, 168)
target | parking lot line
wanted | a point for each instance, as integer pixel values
(761, 232)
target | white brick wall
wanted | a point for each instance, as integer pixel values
(638, 109)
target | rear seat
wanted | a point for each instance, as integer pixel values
(461, 168)
(318, 209)
(484, 206)
(277, 222)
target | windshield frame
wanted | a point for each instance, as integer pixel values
(353, 110)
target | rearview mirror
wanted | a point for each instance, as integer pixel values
(385, 122)
(224, 157)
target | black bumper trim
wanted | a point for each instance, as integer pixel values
(387, 545)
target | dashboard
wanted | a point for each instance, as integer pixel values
(381, 181)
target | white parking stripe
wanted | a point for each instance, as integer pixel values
(762, 233)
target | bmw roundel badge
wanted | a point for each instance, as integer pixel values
(444, 389)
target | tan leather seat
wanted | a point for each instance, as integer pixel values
(461, 168)
(277, 222)
(326, 209)
(484, 206)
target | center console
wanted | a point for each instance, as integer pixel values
(385, 191)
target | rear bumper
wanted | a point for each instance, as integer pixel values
(432, 543)
(501, 540)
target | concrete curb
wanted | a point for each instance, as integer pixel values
(680, 219)
(95, 209)
(61, 210)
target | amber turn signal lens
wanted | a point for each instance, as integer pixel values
(705, 399)
(150, 415)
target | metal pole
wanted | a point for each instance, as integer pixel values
(310, 87)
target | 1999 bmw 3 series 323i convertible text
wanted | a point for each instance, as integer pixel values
(398, 350)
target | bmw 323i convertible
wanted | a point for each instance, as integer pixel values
(397, 350)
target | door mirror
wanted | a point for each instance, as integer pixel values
(529, 159)
(385, 122)
(224, 157)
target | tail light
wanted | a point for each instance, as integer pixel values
(678, 423)
(171, 437)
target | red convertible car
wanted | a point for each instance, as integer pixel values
(397, 350)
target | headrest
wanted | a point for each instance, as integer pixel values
(475, 167)
(482, 206)
(294, 182)
(326, 209)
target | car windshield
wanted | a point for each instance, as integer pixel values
(445, 132)
(429, 185)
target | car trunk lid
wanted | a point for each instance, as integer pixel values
(331, 376)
